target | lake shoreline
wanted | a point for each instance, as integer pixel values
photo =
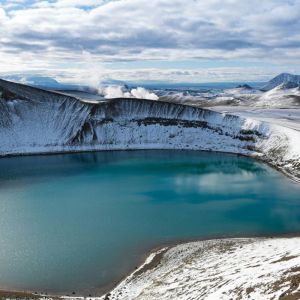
(290, 176)
(150, 260)
(292, 293)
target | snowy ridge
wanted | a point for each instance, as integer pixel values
(285, 95)
(37, 121)
(219, 269)
(282, 95)
(282, 78)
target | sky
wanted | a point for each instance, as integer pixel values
(88, 41)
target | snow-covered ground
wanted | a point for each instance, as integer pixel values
(289, 117)
(218, 269)
(283, 129)
(283, 95)
(279, 96)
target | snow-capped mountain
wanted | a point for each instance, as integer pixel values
(284, 95)
(282, 78)
(239, 95)
(33, 120)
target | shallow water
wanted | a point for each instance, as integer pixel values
(76, 222)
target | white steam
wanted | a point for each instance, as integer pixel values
(142, 93)
(122, 92)
(115, 92)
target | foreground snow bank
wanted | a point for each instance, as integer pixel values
(219, 269)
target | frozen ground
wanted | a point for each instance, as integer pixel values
(219, 269)
(289, 117)
(283, 127)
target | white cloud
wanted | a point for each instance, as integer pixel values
(2, 15)
(57, 35)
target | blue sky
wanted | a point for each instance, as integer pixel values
(138, 40)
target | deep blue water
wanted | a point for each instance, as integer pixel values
(76, 222)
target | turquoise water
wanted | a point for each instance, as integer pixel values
(77, 222)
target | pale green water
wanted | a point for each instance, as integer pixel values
(76, 222)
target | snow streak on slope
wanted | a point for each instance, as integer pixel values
(282, 78)
(285, 95)
(218, 269)
(37, 121)
(280, 96)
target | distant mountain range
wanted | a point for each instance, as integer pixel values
(43, 82)
(285, 79)
(244, 86)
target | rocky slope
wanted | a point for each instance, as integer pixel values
(37, 121)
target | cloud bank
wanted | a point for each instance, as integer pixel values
(59, 35)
